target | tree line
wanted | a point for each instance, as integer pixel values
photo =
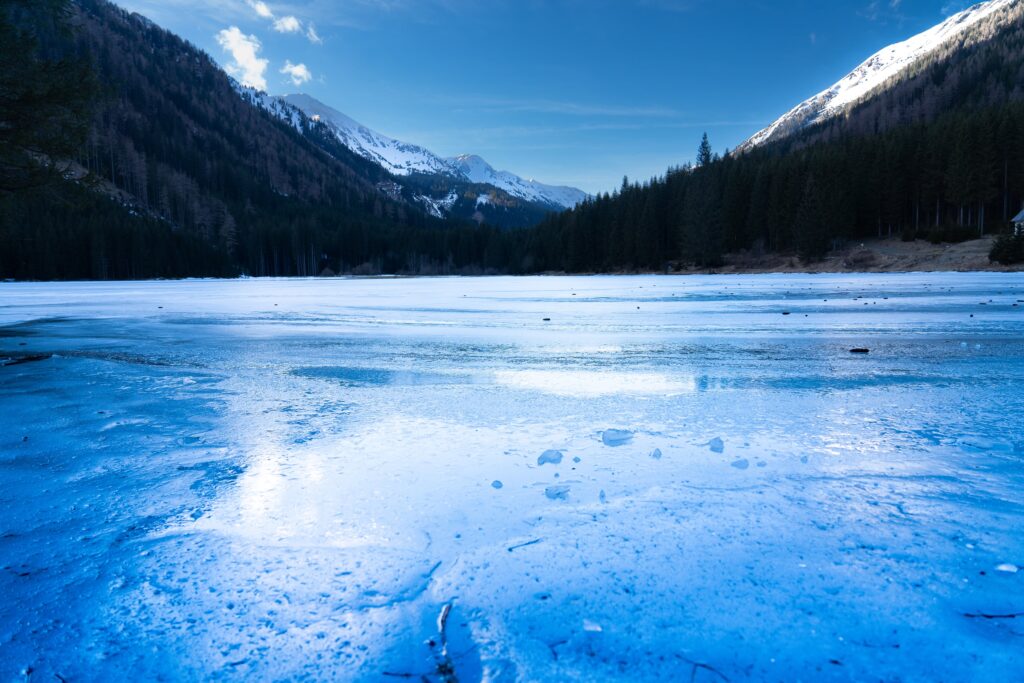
(958, 177)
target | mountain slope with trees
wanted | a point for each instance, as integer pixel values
(179, 175)
(937, 155)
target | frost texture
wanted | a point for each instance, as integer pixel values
(294, 480)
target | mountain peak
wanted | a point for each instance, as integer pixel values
(399, 158)
(403, 159)
(477, 170)
(473, 167)
(879, 70)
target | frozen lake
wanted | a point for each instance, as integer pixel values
(670, 479)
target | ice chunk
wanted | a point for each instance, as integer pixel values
(741, 464)
(557, 492)
(717, 445)
(1008, 568)
(497, 485)
(550, 458)
(656, 454)
(592, 626)
(616, 437)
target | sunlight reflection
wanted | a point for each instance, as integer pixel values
(594, 383)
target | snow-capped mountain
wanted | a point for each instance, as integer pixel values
(399, 158)
(880, 69)
(403, 159)
(476, 170)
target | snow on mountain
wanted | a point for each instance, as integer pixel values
(402, 159)
(399, 158)
(875, 73)
(275, 106)
(477, 170)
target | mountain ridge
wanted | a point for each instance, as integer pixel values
(875, 74)
(404, 159)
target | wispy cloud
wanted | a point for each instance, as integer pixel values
(261, 8)
(542, 106)
(883, 11)
(298, 73)
(246, 65)
(954, 6)
(287, 24)
(484, 134)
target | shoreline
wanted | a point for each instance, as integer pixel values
(869, 257)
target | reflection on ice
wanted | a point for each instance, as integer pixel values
(702, 489)
(593, 383)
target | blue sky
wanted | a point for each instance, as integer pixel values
(577, 92)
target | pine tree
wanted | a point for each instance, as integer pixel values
(704, 154)
(812, 233)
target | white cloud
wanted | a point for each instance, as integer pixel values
(288, 25)
(261, 8)
(247, 66)
(299, 73)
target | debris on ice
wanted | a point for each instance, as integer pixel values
(616, 437)
(557, 492)
(550, 458)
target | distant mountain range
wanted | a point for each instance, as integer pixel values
(404, 159)
(881, 69)
(464, 187)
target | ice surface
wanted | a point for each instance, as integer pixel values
(293, 480)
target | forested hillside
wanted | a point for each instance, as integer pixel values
(939, 155)
(188, 178)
